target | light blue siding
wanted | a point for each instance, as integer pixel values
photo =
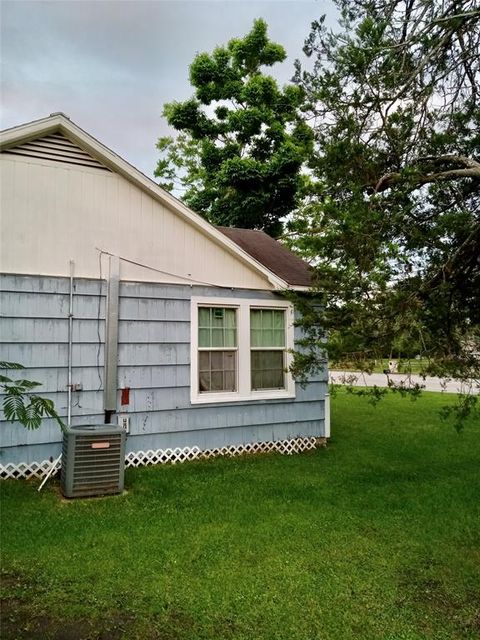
(154, 361)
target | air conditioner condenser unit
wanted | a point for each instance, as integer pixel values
(93, 460)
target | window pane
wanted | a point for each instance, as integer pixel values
(203, 317)
(273, 380)
(255, 319)
(218, 320)
(230, 338)
(267, 319)
(257, 380)
(217, 338)
(256, 338)
(216, 360)
(204, 338)
(278, 319)
(266, 360)
(217, 327)
(204, 360)
(268, 370)
(230, 381)
(267, 338)
(204, 381)
(267, 328)
(230, 318)
(217, 371)
(217, 381)
(229, 360)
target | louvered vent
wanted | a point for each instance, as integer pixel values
(93, 461)
(58, 148)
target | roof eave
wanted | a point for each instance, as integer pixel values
(299, 287)
(24, 132)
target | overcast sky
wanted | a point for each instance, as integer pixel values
(111, 65)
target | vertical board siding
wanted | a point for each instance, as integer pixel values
(154, 362)
(60, 201)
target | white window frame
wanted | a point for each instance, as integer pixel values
(244, 389)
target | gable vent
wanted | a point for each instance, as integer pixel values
(58, 148)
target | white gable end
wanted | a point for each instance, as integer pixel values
(61, 202)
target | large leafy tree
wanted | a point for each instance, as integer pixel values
(241, 143)
(391, 217)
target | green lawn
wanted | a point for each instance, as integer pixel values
(374, 537)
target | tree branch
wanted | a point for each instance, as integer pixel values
(470, 169)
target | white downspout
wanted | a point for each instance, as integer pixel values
(327, 415)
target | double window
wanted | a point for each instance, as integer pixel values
(240, 349)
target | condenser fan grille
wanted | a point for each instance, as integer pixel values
(93, 461)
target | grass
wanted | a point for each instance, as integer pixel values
(374, 537)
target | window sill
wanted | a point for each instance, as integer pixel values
(218, 398)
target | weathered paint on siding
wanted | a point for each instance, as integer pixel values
(77, 209)
(154, 361)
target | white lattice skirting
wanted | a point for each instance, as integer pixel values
(173, 456)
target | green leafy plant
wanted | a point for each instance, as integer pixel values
(20, 405)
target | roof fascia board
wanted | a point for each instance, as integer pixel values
(299, 287)
(23, 133)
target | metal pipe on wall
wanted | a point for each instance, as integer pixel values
(70, 343)
(111, 339)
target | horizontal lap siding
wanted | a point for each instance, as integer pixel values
(191, 420)
(34, 332)
(154, 361)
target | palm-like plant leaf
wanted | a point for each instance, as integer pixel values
(10, 365)
(13, 405)
(18, 406)
(27, 384)
(46, 407)
(32, 417)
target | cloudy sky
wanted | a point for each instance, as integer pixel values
(111, 65)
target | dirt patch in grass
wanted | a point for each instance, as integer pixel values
(437, 602)
(22, 619)
(18, 622)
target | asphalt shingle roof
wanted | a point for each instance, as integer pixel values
(272, 254)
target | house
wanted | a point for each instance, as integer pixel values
(128, 306)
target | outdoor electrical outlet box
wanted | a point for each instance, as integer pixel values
(124, 422)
